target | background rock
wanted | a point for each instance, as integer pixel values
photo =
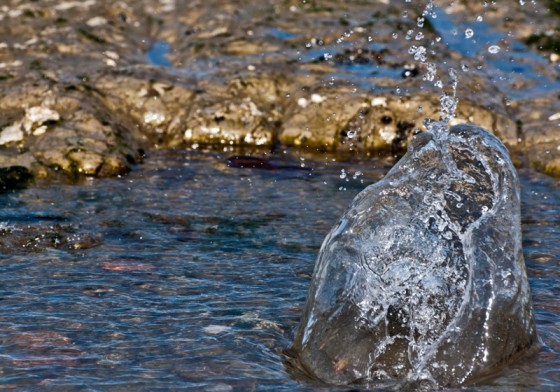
(112, 78)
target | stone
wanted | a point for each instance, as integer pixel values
(229, 122)
(316, 123)
(269, 74)
(341, 120)
(423, 279)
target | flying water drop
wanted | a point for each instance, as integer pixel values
(469, 33)
(494, 49)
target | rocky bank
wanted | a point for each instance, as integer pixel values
(87, 87)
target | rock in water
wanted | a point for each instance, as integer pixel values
(423, 279)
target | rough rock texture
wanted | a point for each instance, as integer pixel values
(86, 86)
(423, 278)
(336, 119)
(541, 132)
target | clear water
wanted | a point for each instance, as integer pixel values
(507, 67)
(191, 274)
(157, 54)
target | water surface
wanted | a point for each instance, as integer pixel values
(190, 274)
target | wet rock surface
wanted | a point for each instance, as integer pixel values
(85, 86)
(423, 279)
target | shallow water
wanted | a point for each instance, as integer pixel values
(190, 274)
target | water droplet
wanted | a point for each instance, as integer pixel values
(356, 175)
(469, 33)
(448, 106)
(432, 72)
(343, 174)
(419, 36)
(479, 18)
(395, 35)
(419, 53)
(420, 22)
(410, 71)
(494, 49)
(452, 74)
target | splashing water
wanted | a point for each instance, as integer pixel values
(416, 280)
(448, 99)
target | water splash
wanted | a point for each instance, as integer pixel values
(421, 54)
(414, 282)
(493, 49)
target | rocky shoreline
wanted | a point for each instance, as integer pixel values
(86, 87)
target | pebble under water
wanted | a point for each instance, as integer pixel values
(188, 273)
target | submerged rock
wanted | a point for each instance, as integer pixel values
(251, 162)
(423, 279)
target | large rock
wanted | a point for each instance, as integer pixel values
(84, 86)
(336, 120)
(423, 279)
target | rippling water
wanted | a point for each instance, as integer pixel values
(190, 274)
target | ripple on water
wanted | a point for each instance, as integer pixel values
(196, 275)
